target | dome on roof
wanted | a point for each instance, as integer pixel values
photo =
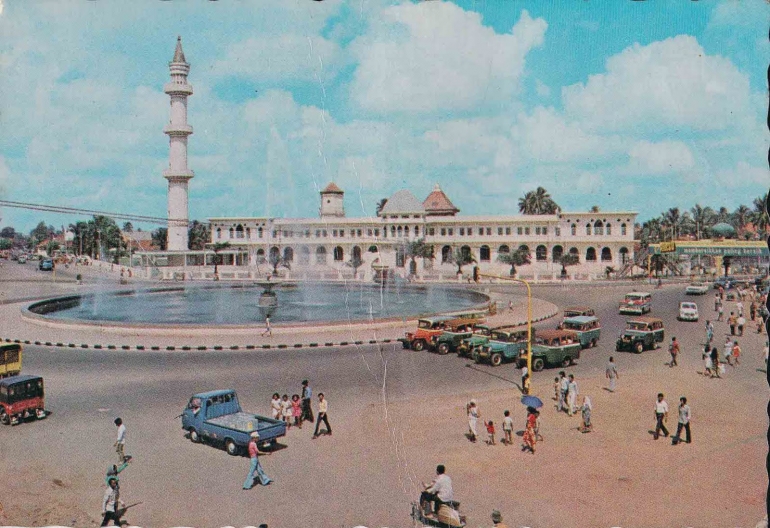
(402, 202)
(723, 229)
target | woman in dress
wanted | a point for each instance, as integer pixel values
(530, 433)
(707, 363)
(586, 413)
(275, 406)
(296, 410)
(473, 417)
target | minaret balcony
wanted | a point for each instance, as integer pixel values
(177, 130)
(178, 175)
(176, 88)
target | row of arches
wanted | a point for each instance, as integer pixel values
(541, 253)
(239, 232)
(338, 254)
(599, 228)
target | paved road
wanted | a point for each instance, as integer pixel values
(389, 409)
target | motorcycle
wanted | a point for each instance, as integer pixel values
(448, 516)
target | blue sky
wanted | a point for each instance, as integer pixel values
(620, 104)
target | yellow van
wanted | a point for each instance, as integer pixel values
(10, 359)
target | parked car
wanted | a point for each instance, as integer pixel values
(586, 327)
(450, 339)
(46, 265)
(696, 288)
(216, 417)
(21, 397)
(688, 311)
(503, 345)
(22, 259)
(10, 359)
(725, 282)
(553, 348)
(636, 303)
(641, 333)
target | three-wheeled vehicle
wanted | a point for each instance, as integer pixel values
(10, 359)
(21, 397)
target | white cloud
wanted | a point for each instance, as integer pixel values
(672, 83)
(542, 89)
(661, 157)
(742, 175)
(434, 56)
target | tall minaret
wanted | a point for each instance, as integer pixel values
(177, 129)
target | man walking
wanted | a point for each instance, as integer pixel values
(612, 373)
(709, 333)
(563, 389)
(728, 351)
(524, 379)
(673, 349)
(572, 394)
(111, 503)
(720, 313)
(661, 415)
(307, 409)
(255, 470)
(268, 331)
(732, 321)
(323, 407)
(684, 421)
(741, 324)
(120, 442)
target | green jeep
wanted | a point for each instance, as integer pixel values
(554, 348)
(480, 336)
(587, 329)
(641, 333)
(451, 339)
(503, 345)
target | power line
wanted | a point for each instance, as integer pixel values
(74, 210)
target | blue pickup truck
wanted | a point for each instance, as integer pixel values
(216, 417)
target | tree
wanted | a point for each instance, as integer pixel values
(6, 243)
(672, 219)
(381, 205)
(520, 257)
(568, 259)
(741, 217)
(277, 261)
(128, 227)
(355, 262)
(198, 235)
(160, 238)
(40, 233)
(51, 247)
(758, 215)
(460, 258)
(219, 246)
(417, 249)
(538, 202)
(8, 232)
(594, 209)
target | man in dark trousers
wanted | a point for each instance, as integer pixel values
(307, 409)
(661, 415)
(323, 407)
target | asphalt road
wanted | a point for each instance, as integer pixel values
(367, 473)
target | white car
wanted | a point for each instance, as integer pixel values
(688, 311)
(696, 288)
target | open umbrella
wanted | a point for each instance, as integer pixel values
(532, 401)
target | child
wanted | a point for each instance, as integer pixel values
(586, 412)
(508, 428)
(296, 410)
(275, 406)
(286, 410)
(556, 388)
(491, 432)
(736, 353)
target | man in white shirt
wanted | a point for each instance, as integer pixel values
(684, 421)
(572, 394)
(120, 443)
(439, 491)
(563, 389)
(661, 415)
(524, 379)
(323, 407)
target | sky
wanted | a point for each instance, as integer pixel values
(626, 105)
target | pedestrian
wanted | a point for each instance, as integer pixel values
(286, 411)
(111, 503)
(114, 470)
(491, 432)
(741, 324)
(684, 422)
(508, 426)
(673, 349)
(510, 306)
(472, 411)
(307, 408)
(524, 378)
(267, 331)
(709, 332)
(736, 353)
(716, 302)
(767, 353)
(556, 386)
(720, 313)
(120, 442)
(563, 389)
(256, 473)
(586, 414)
(497, 520)
(708, 365)
(530, 435)
(661, 415)
(739, 306)
(728, 351)
(275, 406)
(760, 325)
(753, 310)
(732, 321)
(572, 394)
(296, 410)
(715, 367)
(323, 408)
(612, 373)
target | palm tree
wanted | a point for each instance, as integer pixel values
(381, 205)
(217, 247)
(460, 258)
(723, 215)
(594, 209)
(520, 257)
(741, 218)
(417, 249)
(568, 259)
(538, 202)
(702, 217)
(758, 215)
(128, 227)
(673, 220)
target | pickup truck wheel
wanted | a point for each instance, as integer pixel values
(4, 418)
(231, 448)
(443, 349)
(418, 345)
(639, 347)
(538, 364)
(194, 436)
(496, 360)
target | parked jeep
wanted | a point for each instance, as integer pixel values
(480, 336)
(553, 348)
(503, 345)
(588, 329)
(641, 333)
(635, 303)
(451, 338)
(426, 328)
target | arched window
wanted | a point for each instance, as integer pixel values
(598, 228)
(556, 253)
(356, 253)
(524, 247)
(304, 255)
(574, 251)
(260, 256)
(339, 255)
(320, 255)
(416, 231)
(446, 254)
(373, 249)
(239, 231)
(406, 231)
(288, 254)
(466, 252)
(219, 232)
(400, 256)
(399, 232)
(504, 249)
(623, 255)
(590, 255)
(541, 253)
(606, 254)
(275, 253)
(259, 232)
(232, 233)
(608, 228)
(623, 229)
(588, 229)
(484, 253)
(393, 231)
(573, 228)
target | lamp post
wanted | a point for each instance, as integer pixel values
(529, 319)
